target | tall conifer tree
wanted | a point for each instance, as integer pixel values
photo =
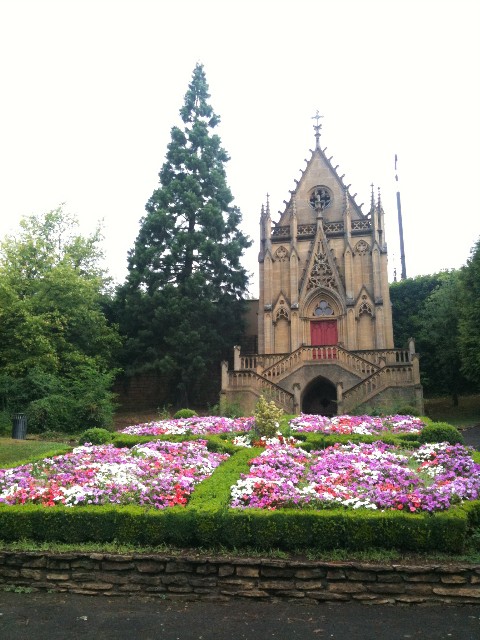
(182, 301)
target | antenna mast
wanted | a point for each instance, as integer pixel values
(403, 275)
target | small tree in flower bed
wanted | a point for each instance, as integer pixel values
(267, 418)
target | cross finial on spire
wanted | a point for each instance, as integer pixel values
(317, 127)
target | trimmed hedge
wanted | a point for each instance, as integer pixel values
(285, 529)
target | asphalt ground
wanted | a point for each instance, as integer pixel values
(471, 435)
(48, 616)
(54, 616)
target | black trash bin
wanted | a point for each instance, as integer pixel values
(19, 428)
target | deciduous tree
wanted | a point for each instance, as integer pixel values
(56, 346)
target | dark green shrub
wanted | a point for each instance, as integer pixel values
(227, 409)
(65, 404)
(184, 413)
(440, 432)
(5, 423)
(52, 413)
(96, 436)
(406, 410)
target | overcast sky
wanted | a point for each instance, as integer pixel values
(90, 90)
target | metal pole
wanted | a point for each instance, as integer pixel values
(403, 275)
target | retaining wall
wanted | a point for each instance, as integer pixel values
(220, 579)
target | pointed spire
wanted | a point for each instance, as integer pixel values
(347, 222)
(372, 201)
(294, 206)
(268, 205)
(379, 201)
(317, 128)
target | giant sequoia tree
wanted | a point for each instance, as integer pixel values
(181, 305)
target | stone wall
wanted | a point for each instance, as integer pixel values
(151, 391)
(220, 578)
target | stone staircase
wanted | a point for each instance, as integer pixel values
(270, 375)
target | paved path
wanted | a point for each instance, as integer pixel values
(471, 435)
(48, 616)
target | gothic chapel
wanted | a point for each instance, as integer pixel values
(324, 335)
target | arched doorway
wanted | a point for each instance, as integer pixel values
(320, 398)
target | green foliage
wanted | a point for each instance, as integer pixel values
(440, 432)
(226, 409)
(440, 352)
(432, 309)
(408, 299)
(182, 304)
(184, 413)
(469, 335)
(56, 345)
(267, 418)
(164, 413)
(69, 404)
(95, 436)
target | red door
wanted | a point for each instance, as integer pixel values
(324, 333)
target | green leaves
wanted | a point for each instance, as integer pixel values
(442, 312)
(469, 323)
(56, 345)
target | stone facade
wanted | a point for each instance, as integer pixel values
(324, 333)
(225, 578)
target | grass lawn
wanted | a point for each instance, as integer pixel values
(467, 414)
(16, 452)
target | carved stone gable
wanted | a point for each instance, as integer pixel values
(321, 273)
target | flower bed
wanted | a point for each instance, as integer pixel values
(363, 425)
(196, 426)
(374, 476)
(156, 474)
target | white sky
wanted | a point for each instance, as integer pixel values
(91, 88)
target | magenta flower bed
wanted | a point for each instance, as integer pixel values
(156, 474)
(374, 476)
(195, 425)
(363, 425)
